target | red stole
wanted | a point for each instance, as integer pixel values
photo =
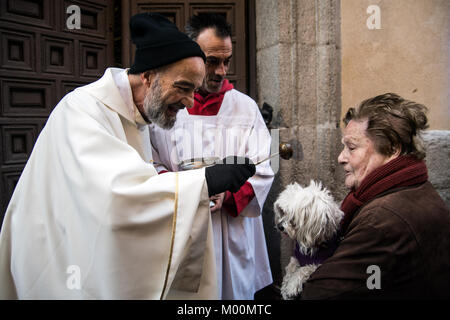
(210, 104)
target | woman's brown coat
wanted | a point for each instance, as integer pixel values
(403, 232)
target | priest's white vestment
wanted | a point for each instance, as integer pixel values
(238, 129)
(90, 218)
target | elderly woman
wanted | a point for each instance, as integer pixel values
(395, 235)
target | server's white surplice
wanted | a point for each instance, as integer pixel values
(238, 129)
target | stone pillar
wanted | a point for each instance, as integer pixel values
(437, 146)
(299, 74)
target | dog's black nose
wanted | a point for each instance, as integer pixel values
(280, 227)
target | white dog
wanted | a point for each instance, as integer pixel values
(311, 217)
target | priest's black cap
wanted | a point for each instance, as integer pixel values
(159, 42)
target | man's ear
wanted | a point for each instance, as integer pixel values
(396, 152)
(146, 78)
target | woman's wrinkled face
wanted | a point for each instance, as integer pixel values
(359, 156)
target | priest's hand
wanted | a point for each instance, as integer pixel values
(229, 175)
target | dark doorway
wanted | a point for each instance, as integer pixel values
(41, 60)
(239, 13)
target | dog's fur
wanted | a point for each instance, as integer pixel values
(311, 217)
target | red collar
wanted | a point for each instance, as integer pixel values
(210, 104)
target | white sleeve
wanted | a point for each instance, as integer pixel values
(259, 143)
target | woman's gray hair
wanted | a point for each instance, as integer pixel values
(394, 123)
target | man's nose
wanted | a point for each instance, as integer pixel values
(188, 102)
(221, 70)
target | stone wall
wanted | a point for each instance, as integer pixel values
(437, 145)
(408, 55)
(298, 67)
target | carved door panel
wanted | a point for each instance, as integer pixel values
(41, 60)
(179, 11)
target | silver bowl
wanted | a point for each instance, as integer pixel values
(197, 163)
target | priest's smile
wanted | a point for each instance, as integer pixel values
(216, 82)
(173, 110)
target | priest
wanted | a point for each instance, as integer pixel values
(90, 218)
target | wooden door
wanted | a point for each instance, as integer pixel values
(179, 11)
(41, 60)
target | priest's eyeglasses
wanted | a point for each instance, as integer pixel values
(215, 62)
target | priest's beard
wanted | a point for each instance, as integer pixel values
(156, 109)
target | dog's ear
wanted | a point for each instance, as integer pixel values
(277, 209)
(319, 217)
(285, 198)
(285, 205)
